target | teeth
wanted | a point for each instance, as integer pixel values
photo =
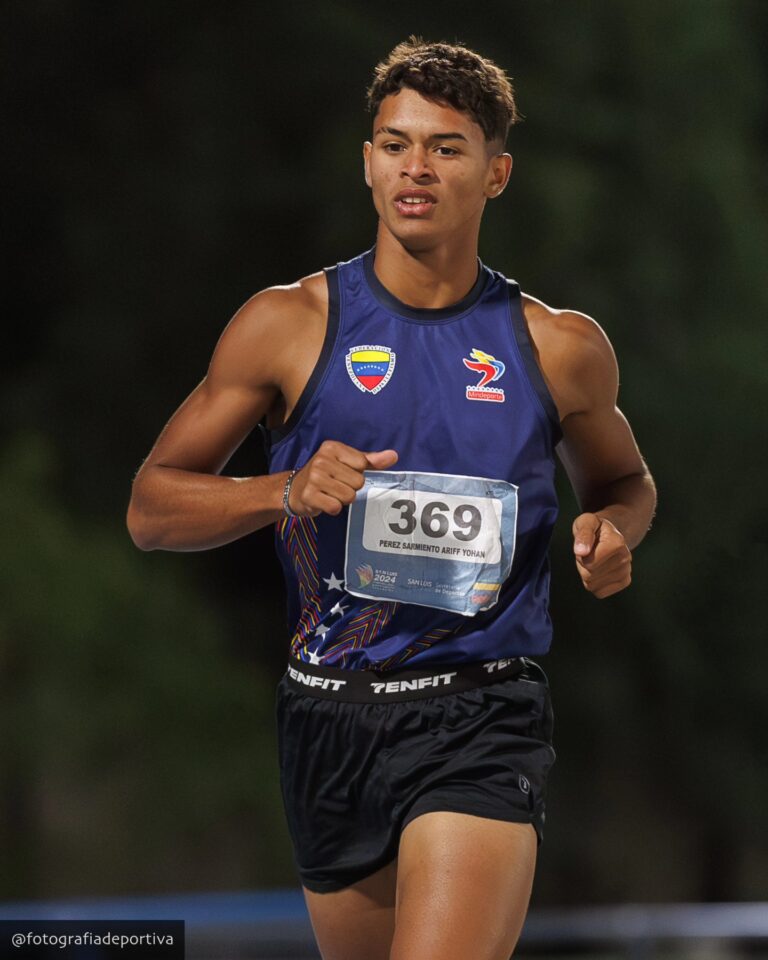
(414, 200)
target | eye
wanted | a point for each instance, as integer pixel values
(394, 147)
(447, 151)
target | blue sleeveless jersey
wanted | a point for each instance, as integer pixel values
(455, 391)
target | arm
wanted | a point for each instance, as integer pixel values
(178, 501)
(265, 355)
(610, 478)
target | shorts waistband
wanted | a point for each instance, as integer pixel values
(373, 686)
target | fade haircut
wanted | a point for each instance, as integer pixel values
(449, 74)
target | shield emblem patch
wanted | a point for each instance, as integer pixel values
(370, 367)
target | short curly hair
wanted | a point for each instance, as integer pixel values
(452, 74)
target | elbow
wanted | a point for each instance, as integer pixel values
(138, 528)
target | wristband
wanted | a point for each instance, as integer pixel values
(287, 493)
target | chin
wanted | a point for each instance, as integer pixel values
(416, 236)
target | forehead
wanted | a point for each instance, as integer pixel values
(412, 113)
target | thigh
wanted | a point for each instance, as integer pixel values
(463, 887)
(358, 921)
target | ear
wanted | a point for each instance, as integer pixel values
(498, 174)
(367, 147)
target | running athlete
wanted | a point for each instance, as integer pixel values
(412, 400)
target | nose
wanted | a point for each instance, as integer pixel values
(416, 164)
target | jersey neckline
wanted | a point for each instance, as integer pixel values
(425, 314)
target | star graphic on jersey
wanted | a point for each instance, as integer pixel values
(321, 630)
(333, 582)
(337, 608)
(313, 657)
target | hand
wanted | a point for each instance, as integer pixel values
(330, 479)
(603, 559)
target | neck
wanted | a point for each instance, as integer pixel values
(433, 278)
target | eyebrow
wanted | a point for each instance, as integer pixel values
(394, 132)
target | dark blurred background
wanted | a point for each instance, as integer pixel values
(164, 161)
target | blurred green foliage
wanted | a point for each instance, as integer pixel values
(137, 753)
(167, 163)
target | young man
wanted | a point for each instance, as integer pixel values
(413, 401)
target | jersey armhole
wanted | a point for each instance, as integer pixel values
(273, 437)
(532, 369)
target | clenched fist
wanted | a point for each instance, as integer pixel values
(603, 559)
(330, 479)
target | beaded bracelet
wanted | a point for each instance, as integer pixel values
(287, 493)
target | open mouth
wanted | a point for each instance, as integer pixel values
(414, 203)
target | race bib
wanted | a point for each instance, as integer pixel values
(432, 539)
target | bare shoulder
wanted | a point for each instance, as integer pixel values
(308, 296)
(278, 313)
(273, 325)
(575, 355)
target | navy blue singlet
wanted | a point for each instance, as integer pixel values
(454, 390)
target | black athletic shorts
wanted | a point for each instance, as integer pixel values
(364, 753)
